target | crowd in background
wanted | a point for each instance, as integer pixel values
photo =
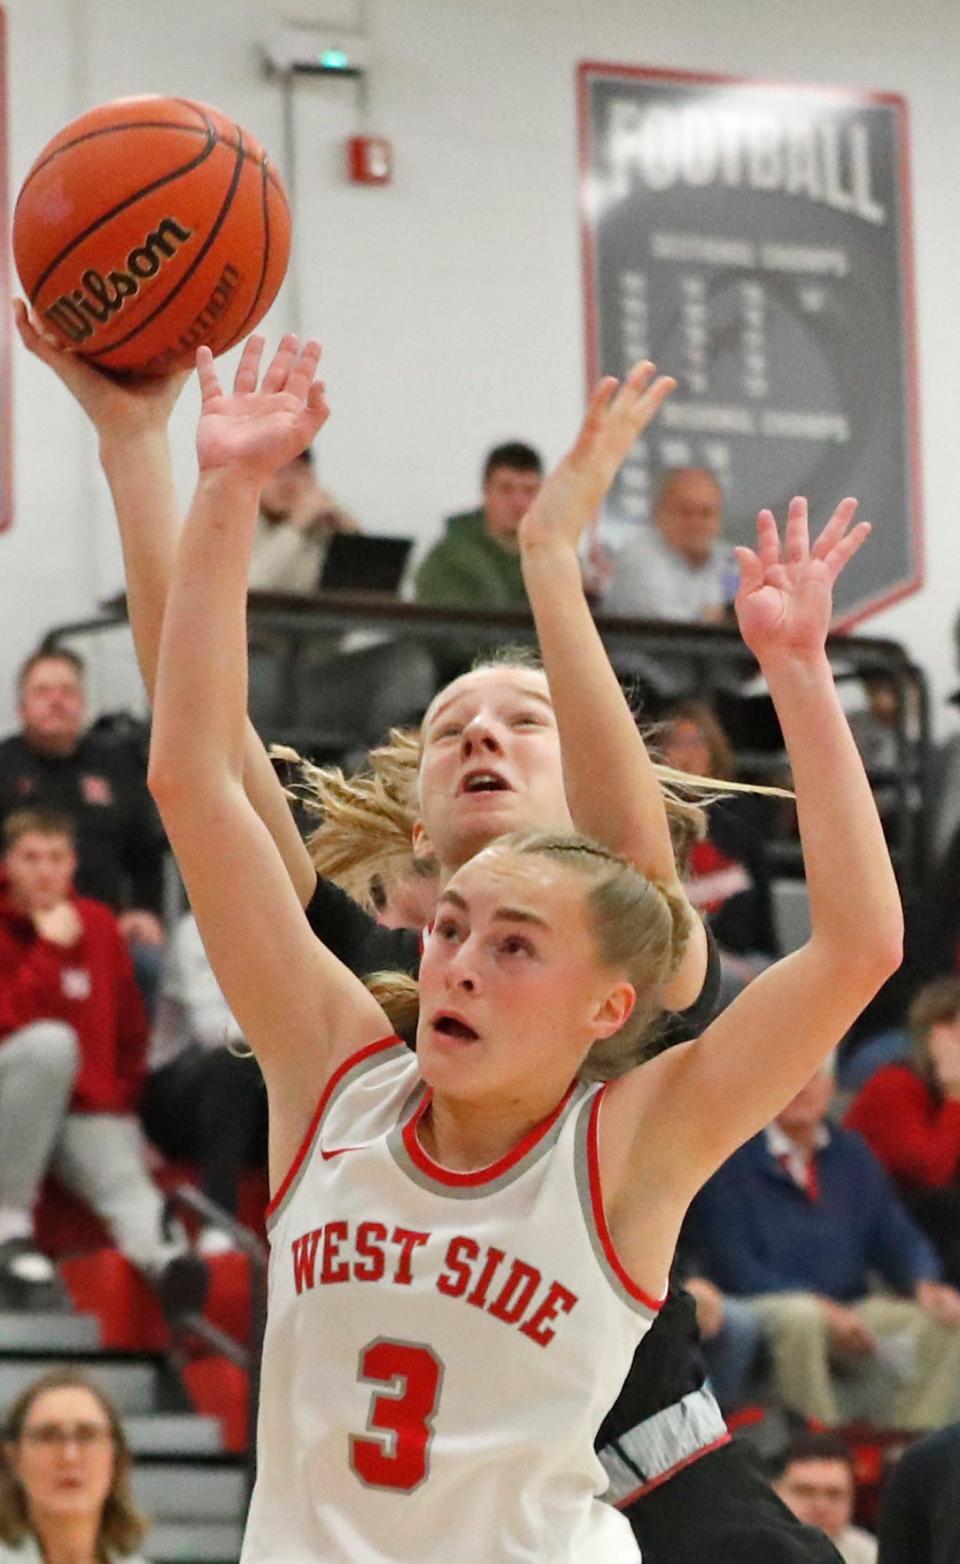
(824, 1256)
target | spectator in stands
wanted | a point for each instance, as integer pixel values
(476, 564)
(73, 1036)
(347, 696)
(297, 520)
(909, 1115)
(203, 1101)
(727, 877)
(56, 761)
(794, 1224)
(931, 950)
(945, 779)
(816, 1481)
(735, 1332)
(892, 708)
(678, 568)
(875, 728)
(920, 1514)
(65, 1477)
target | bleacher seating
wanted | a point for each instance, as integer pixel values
(185, 1406)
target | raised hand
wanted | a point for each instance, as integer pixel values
(616, 417)
(256, 431)
(117, 405)
(785, 601)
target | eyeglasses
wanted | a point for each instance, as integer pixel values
(49, 1435)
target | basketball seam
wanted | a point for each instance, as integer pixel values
(241, 158)
(106, 217)
(110, 130)
(146, 124)
(264, 167)
(273, 178)
(207, 129)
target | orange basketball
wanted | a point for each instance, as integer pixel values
(147, 227)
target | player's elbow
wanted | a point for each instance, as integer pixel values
(865, 959)
(175, 786)
(175, 769)
(883, 942)
(165, 779)
(891, 957)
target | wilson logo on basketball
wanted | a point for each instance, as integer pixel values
(78, 313)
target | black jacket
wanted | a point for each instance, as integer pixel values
(102, 787)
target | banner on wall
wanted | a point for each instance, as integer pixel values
(754, 240)
(6, 388)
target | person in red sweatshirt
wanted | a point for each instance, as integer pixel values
(73, 1037)
(909, 1114)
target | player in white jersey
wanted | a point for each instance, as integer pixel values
(542, 955)
(432, 1346)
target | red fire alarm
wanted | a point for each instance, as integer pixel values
(369, 160)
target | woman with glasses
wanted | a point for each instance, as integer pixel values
(65, 1478)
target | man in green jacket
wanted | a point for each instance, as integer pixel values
(477, 562)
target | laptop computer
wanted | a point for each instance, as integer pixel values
(363, 562)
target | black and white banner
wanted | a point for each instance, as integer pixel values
(755, 241)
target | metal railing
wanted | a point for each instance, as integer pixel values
(715, 659)
(245, 1355)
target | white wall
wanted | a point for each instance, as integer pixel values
(450, 303)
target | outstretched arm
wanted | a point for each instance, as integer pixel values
(299, 1008)
(611, 786)
(130, 417)
(704, 1099)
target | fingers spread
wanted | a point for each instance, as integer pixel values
(797, 536)
(639, 377)
(751, 570)
(304, 369)
(317, 399)
(768, 539)
(314, 413)
(593, 418)
(600, 398)
(835, 528)
(662, 387)
(248, 369)
(844, 550)
(640, 397)
(280, 365)
(207, 375)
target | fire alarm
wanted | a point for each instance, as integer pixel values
(369, 160)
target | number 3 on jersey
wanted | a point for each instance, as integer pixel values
(401, 1416)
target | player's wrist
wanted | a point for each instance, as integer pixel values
(141, 440)
(549, 553)
(231, 481)
(786, 666)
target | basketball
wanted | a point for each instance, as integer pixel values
(150, 226)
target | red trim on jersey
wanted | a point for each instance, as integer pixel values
(328, 1091)
(663, 1477)
(600, 1216)
(493, 1170)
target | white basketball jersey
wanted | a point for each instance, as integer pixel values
(441, 1346)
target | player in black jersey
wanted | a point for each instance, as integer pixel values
(684, 1488)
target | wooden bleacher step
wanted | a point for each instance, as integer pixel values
(193, 1491)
